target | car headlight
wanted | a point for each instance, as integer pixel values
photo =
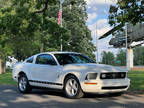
(91, 76)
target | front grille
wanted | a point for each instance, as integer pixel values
(113, 75)
(110, 88)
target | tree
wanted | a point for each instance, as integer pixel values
(121, 56)
(4, 52)
(126, 11)
(5, 3)
(24, 26)
(108, 58)
(4, 48)
(74, 19)
(30, 26)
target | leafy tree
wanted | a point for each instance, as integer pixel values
(5, 3)
(130, 11)
(24, 26)
(4, 52)
(4, 48)
(74, 19)
(121, 56)
(30, 26)
(108, 58)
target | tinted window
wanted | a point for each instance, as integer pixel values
(30, 60)
(45, 59)
(72, 58)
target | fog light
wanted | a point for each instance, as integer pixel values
(103, 76)
(123, 75)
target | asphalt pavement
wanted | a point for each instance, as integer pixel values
(11, 98)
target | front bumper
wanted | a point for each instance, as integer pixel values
(106, 86)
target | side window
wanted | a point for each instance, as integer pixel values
(64, 59)
(30, 60)
(45, 59)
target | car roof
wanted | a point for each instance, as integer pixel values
(58, 52)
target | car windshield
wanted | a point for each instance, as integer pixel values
(72, 59)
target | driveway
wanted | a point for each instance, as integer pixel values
(11, 98)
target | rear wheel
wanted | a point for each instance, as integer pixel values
(72, 88)
(23, 84)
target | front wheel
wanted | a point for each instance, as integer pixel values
(72, 88)
(23, 84)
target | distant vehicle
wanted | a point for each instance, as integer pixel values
(118, 41)
(73, 73)
(11, 61)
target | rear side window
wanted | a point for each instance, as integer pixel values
(30, 60)
(45, 59)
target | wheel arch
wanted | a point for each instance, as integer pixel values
(70, 74)
(21, 73)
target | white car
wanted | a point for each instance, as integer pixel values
(11, 61)
(74, 73)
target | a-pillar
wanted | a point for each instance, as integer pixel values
(130, 57)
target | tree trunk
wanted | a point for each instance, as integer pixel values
(42, 47)
(0, 65)
(4, 67)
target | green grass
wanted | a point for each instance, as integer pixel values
(137, 80)
(6, 79)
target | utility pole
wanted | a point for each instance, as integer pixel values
(61, 1)
(126, 46)
(96, 35)
(60, 13)
(129, 52)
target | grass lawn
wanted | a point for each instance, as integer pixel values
(6, 79)
(137, 80)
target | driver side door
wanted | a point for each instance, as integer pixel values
(45, 71)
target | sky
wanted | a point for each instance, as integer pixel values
(98, 13)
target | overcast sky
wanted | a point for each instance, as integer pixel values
(98, 12)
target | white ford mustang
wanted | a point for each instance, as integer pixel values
(74, 73)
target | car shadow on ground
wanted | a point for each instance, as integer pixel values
(11, 98)
(54, 92)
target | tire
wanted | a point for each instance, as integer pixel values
(72, 88)
(23, 84)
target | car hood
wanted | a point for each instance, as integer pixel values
(92, 67)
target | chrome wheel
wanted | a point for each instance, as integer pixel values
(72, 87)
(22, 83)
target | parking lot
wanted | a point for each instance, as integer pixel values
(11, 98)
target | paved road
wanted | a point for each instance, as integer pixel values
(11, 98)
